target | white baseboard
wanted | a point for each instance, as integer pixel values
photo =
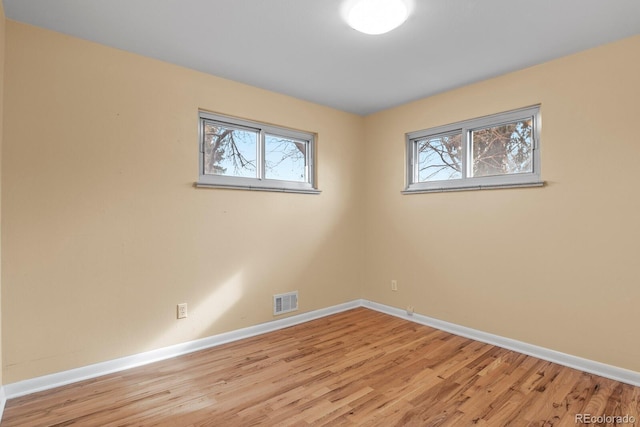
(3, 400)
(601, 369)
(46, 382)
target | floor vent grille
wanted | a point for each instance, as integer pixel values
(284, 303)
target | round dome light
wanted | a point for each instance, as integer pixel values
(377, 16)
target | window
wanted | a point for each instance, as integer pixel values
(498, 151)
(236, 153)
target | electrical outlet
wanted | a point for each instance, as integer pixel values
(394, 285)
(182, 310)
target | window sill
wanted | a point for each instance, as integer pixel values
(473, 187)
(255, 188)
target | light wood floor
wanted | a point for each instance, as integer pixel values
(359, 367)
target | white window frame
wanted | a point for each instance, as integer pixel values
(466, 182)
(259, 183)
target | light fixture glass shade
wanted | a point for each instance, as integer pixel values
(377, 16)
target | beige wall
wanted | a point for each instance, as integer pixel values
(2, 43)
(104, 233)
(555, 266)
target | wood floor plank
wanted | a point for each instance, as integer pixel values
(356, 368)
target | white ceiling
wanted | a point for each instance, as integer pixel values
(303, 48)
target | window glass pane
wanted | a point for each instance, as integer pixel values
(439, 157)
(503, 150)
(229, 151)
(285, 158)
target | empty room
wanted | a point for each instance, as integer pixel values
(337, 212)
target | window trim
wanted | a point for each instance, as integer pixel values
(465, 127)
(259, 183)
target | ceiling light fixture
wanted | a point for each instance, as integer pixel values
(377, 16)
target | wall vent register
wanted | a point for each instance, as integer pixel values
(285, 303)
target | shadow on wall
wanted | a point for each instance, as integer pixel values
(312, 260)
(202, 315)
